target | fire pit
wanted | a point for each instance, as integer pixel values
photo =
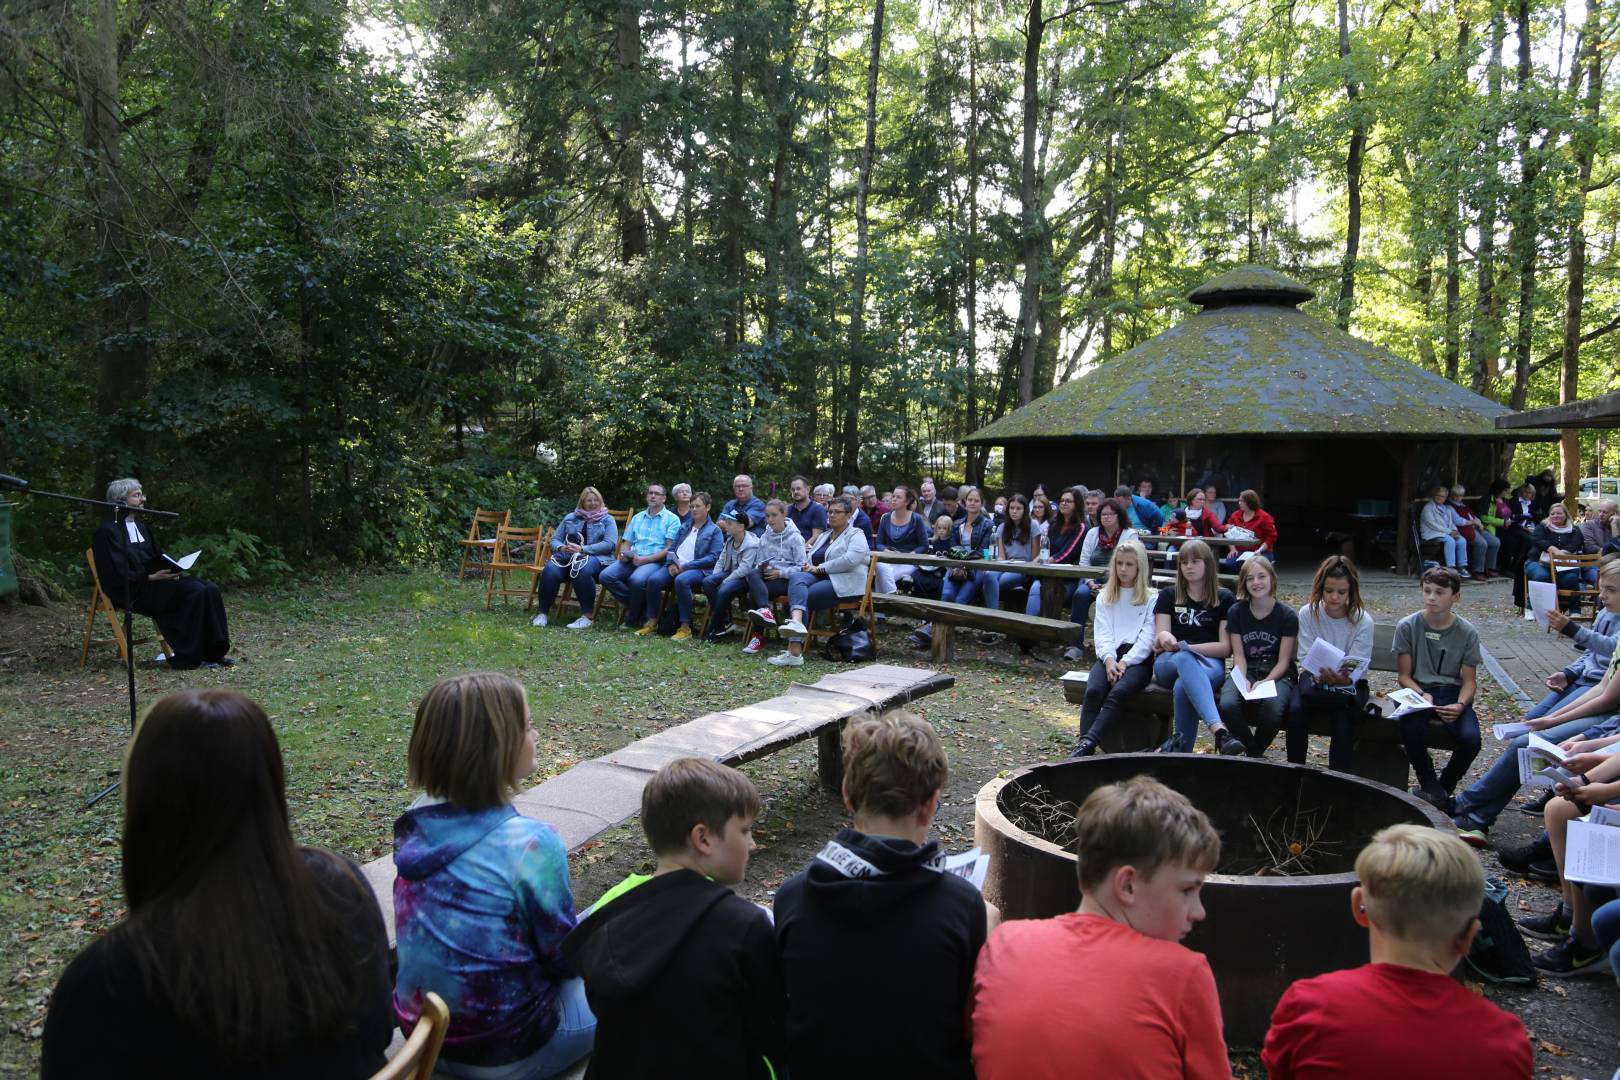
(1278, 906)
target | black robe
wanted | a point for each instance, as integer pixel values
(188, 610)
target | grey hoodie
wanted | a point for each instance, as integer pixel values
(738, 561)
(782, 550)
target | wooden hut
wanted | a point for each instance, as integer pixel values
(1335, 434)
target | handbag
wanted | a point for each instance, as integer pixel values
(1238, 532)
(1499, 954)
(852, 644)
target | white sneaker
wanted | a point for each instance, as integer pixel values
(793, 626)
(764, 615)
(539, 620)
(584, 622)
(787, 659)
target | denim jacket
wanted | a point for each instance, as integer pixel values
(600, 537)
(710, 542)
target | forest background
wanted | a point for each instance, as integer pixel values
(328, 275)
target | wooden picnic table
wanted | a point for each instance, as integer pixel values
(1213, 541)
(1051, 599)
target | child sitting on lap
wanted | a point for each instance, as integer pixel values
(682, 972)
(874, 927)
(1402, 1014)
(1108, 991)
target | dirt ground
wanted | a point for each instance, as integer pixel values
(60, 866)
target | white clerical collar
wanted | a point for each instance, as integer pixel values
(134, 532)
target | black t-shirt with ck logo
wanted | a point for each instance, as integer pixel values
(1194, 624)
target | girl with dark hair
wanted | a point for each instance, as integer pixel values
(1096, 550)
(244, 954)
(482, 901)
(1334, 614)
(1191, 645)
(1063, 538)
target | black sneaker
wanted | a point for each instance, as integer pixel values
(1533, 860)
(1570, 958)
(1535, 806)
(1435, 796)
(1172, 745)
(1084, 748)
(1553, 926)
(725, 631)
(1229, 744)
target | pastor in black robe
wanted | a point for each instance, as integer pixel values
(188, 610)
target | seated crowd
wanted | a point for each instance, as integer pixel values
(247, 955)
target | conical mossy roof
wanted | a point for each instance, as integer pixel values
(1252, 363)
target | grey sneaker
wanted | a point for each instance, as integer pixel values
(1073, 654)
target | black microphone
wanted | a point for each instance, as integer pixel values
(13, 483)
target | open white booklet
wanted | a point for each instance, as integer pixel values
(1325, 656)
(1592, 854)
(182, 564)
(1254, 691)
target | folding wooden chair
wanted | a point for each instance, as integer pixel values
(1585, 593)
(510, 555)
(100, 601)
(602, 595)
(477, 549)
(416, 1059)
(861, 606)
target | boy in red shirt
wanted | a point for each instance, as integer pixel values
(1401, 1014)
(1108, 990)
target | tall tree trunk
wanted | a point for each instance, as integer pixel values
(1352, 176)
(632, 208)
(1523, 244)
(848, 464)
(1454, 224)
(735, 204)
(1029, 297)
(1484, 334)
(977, 456)
(1584, 148)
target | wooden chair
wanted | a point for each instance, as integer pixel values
(1584, 593)
(509, 556)
(100, 601)
(860, 605)
(416, 1059)
(602, 595)
(477, 549)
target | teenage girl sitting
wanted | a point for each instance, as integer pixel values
(1191, 644)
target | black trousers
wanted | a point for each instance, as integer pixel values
(1104, 699)
(191, 615)
(1342, 711)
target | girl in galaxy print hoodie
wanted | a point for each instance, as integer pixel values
(482, 900)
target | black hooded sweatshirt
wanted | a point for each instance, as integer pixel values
(684, 980)
(878, 947)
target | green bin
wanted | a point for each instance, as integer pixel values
(8, 565)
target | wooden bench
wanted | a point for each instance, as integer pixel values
(946, 617)
(1379, 754)
(599, 794)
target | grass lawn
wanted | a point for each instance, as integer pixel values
(340, 661)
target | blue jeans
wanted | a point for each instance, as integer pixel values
(1191, 678)
(629, 587)
(1005, 579)
(987, 582)
(1606, 927)
(1033, 605)
(1488, 796)
(1414, 727)
(1085, 594)
(583, 576)
(684, 583)
(811, 592)
(574, 1038)
(1230, 564)
(1567, 579)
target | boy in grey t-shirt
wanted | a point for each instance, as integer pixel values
(1437, 654)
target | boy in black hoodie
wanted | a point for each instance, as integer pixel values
(681, 972)
(878, 944)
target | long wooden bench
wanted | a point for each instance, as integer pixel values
(946, 617)
(599, 794)
(1379, 754)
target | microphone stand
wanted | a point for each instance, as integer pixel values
(121, 511)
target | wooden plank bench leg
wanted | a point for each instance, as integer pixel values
(830, 758)
(943, 651)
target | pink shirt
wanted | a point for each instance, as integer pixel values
(1082, 995)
